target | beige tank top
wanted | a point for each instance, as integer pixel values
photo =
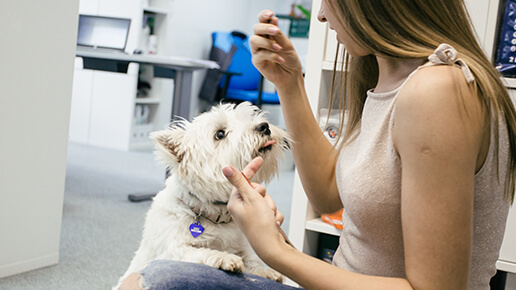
(369, 182)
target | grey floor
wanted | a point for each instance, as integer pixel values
(101, 228)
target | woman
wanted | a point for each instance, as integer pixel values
(425, 170)
(425, 166)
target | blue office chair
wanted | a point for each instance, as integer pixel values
(237, 80)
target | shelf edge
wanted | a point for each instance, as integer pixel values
(155, 10)
(507, 266)
(147, 101)
(317, 225)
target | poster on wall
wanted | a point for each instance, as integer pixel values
(505, 60)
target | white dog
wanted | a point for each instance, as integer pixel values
(188, 220)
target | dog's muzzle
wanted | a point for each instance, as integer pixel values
(263, 128)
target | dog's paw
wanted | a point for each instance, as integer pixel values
(267, 273)
(226, 262)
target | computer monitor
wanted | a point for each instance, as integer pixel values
(103, 32)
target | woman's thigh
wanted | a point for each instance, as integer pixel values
(169, 274)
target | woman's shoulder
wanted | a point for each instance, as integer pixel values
(439, 101)
(439, 85)
(437, 77)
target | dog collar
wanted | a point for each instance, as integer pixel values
(217, 202)
(220, 218)
(196, 229)
(217, 218)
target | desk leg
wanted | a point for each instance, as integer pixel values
(181, 105)
(182, 99)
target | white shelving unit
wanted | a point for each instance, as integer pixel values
(155, 10)
(147, 101)
(104, 103)
(305, 226)
(321, 53)
(317, 225)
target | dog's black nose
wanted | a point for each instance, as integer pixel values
(263, 128)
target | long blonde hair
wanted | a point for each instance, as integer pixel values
(413, 29)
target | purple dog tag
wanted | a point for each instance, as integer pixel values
(196, 229)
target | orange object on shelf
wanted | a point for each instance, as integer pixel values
(334, 219)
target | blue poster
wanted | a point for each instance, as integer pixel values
(506, 50)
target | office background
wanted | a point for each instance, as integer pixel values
(38, 44)
(38, 208)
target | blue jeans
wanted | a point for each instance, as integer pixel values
(169, 274)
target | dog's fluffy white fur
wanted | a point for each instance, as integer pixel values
(195, 154)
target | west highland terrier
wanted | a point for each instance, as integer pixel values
(188, 220)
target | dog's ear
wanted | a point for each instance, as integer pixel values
(168, 142)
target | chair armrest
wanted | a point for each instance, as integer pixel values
(226, 82)
(230, 74)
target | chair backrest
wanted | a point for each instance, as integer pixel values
(231, 50)
(241, 61)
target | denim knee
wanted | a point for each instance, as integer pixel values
(169, 274)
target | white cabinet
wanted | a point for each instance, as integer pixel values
(305, 226)
(112, 107)
(105, 104)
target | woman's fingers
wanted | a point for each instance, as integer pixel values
(267, 30)
(244, 191)
(264, 56)
(267, 16)
(259, 188)
(250, 170)
(263, 192)
(265, 50)
(279, 218)
(270, 202)
(273, 33)
(261, 43)
(273, 53)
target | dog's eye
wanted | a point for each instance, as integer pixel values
(220, 134)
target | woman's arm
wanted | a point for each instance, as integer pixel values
(276, 58)
(439, 136)
(246, 204)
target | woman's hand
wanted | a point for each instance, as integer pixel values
(278, 216)
(254, 210)
(273, 53)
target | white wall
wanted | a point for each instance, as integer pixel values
(36, 57)
(192, 22)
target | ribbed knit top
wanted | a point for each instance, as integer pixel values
(369, 181)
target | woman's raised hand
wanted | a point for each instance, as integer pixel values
(273, 53)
